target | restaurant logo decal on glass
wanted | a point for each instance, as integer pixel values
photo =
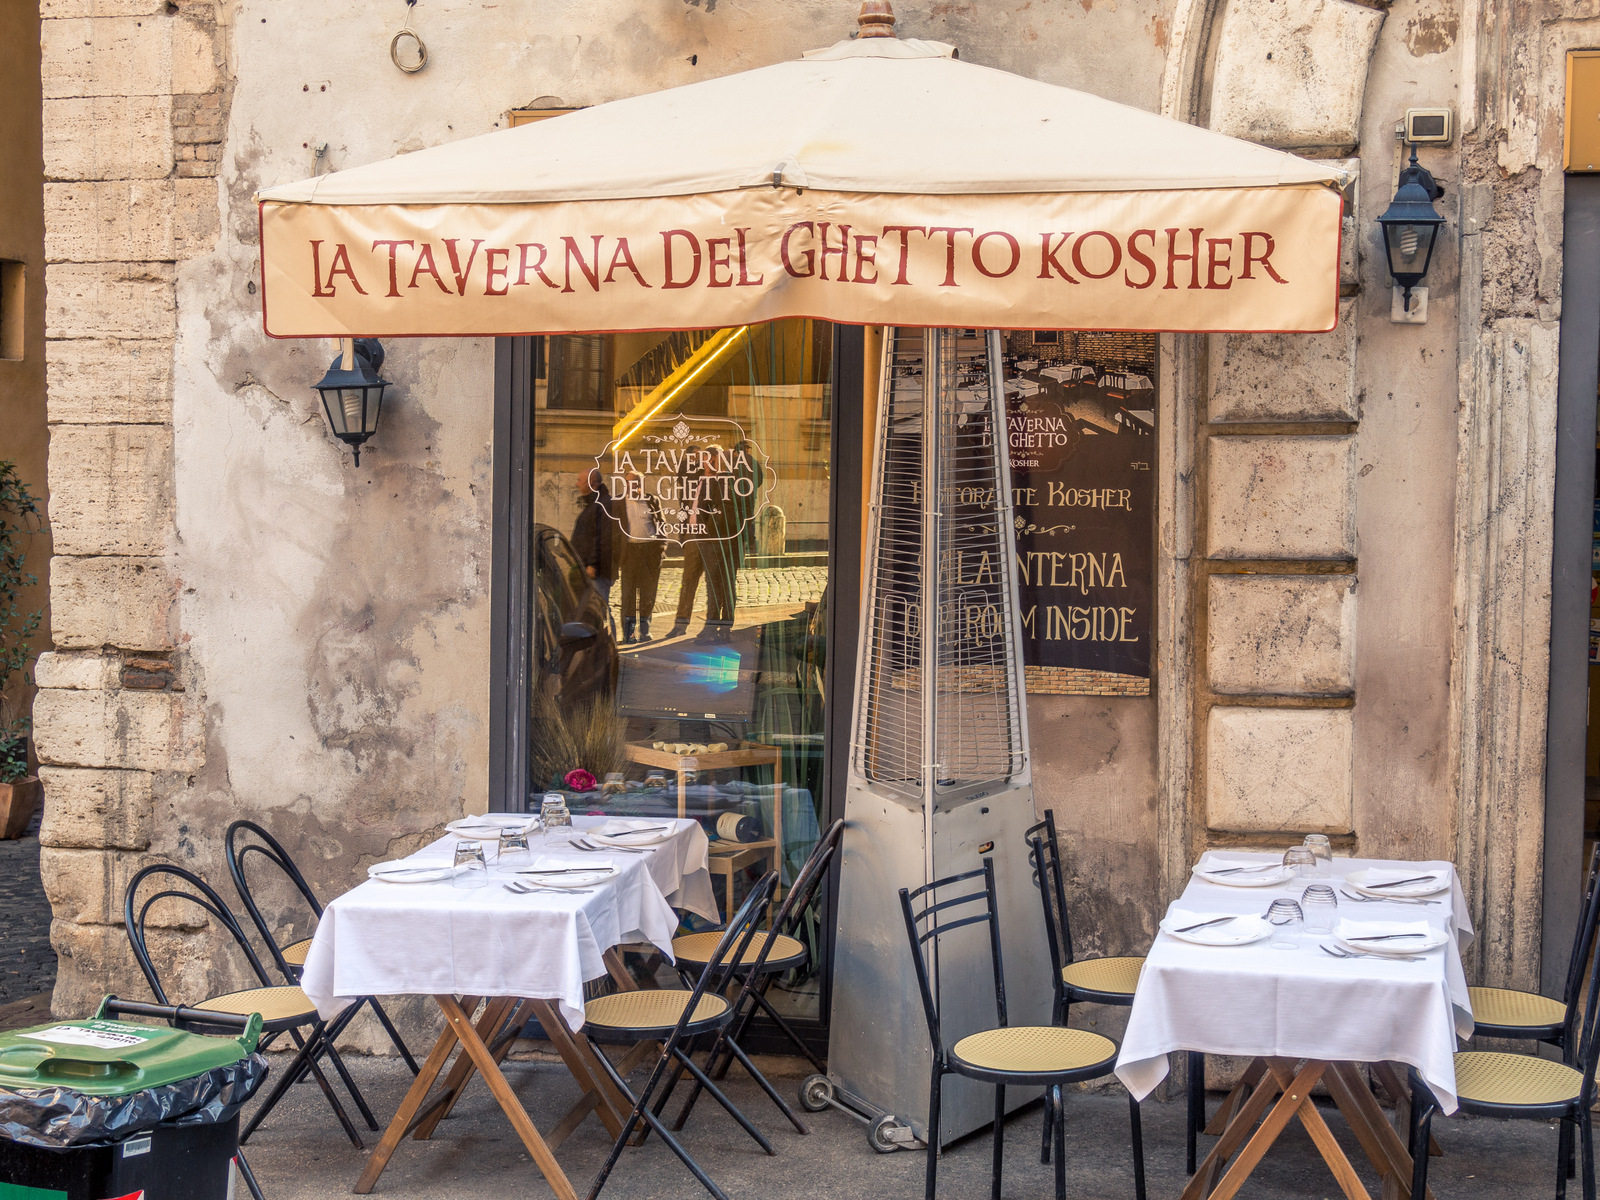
(680, 479)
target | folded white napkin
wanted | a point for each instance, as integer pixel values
(1353, 929)
(1180, 918)
(586, 862)
(1378, 875)
(408, 865)
(1212, 861)
(621, 825)
(495, 821)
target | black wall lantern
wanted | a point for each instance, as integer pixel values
(1411, 227)
(352, 392)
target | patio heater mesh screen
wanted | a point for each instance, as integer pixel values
(940, 586)
(939, 776)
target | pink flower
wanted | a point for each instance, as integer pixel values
(580, 780)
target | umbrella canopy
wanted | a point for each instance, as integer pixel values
(877, 181)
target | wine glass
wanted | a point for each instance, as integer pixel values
(1320, 906)
(1300, 862)
(471, 868)
(1286, 918)
(1320, 846)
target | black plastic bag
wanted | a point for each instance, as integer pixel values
(59, 1118)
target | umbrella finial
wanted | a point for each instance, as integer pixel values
(876, 19)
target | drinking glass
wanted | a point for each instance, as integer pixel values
(1320, 846)
(553, 812)
(1320, 906)
(513, 854)
(1285, 917)
(472, 870)
(1301, 862)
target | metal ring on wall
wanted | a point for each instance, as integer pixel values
(422, 52)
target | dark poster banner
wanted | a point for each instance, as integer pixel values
(1081, 434)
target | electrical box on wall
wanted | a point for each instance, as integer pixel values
(1428, 127)
(1582, 134)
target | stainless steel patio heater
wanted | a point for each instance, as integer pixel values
(939, 774)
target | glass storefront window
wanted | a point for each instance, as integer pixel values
(680, 516)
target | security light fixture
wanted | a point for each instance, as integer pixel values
(352, 392)
(1411, 227)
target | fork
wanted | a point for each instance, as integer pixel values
(1343, 953)
(523, 890)
(590, 848)
(1385, 899)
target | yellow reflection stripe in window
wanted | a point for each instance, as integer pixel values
(709, 353)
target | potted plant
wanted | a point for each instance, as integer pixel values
(19, 517)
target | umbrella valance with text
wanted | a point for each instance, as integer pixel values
(878, 182)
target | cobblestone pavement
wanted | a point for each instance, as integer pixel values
(27, 961)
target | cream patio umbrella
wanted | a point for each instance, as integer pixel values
(878, 181)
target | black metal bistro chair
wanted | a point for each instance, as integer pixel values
(1505, 1013)
(1023, 1055)
(245, 838)
(1494, 1084)
(1095, 980)
(768, 956)
(674, 1017)
(283, 1008)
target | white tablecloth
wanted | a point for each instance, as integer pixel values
(388, 939)
(1254, 1000)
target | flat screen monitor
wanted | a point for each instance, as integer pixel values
(700, 678)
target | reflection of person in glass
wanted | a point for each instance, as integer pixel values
(593, 534)
(641, 549)
(723, 506)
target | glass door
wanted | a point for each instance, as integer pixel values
(678, 534)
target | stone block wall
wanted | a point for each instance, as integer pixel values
(135, 106)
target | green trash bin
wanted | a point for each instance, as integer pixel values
(104, 1109)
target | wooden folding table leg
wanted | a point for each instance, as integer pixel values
(1364, 1110)
(1344, 1173)
(396, 1132)
(1233, 1136)
(1296, 1092)
(1252, 1076)
(501, 1090)
(590, 1076)
(494, 1015)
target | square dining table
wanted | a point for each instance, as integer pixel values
(524, 954)
(1303, 1017)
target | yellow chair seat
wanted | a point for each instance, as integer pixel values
(295, 952)
(1120, 975)
(273, 1003)
(649, 1010)
(1491, 1077)
(1033, 1049)
(1502, 1006)
(699, 947)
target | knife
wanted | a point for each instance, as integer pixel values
(1205, 924)
(1236, 870)
(1384, 937)
(564, 871)
(1399, 882)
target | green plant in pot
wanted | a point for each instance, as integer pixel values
(19, 518)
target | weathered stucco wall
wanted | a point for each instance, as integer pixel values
(251, 626)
